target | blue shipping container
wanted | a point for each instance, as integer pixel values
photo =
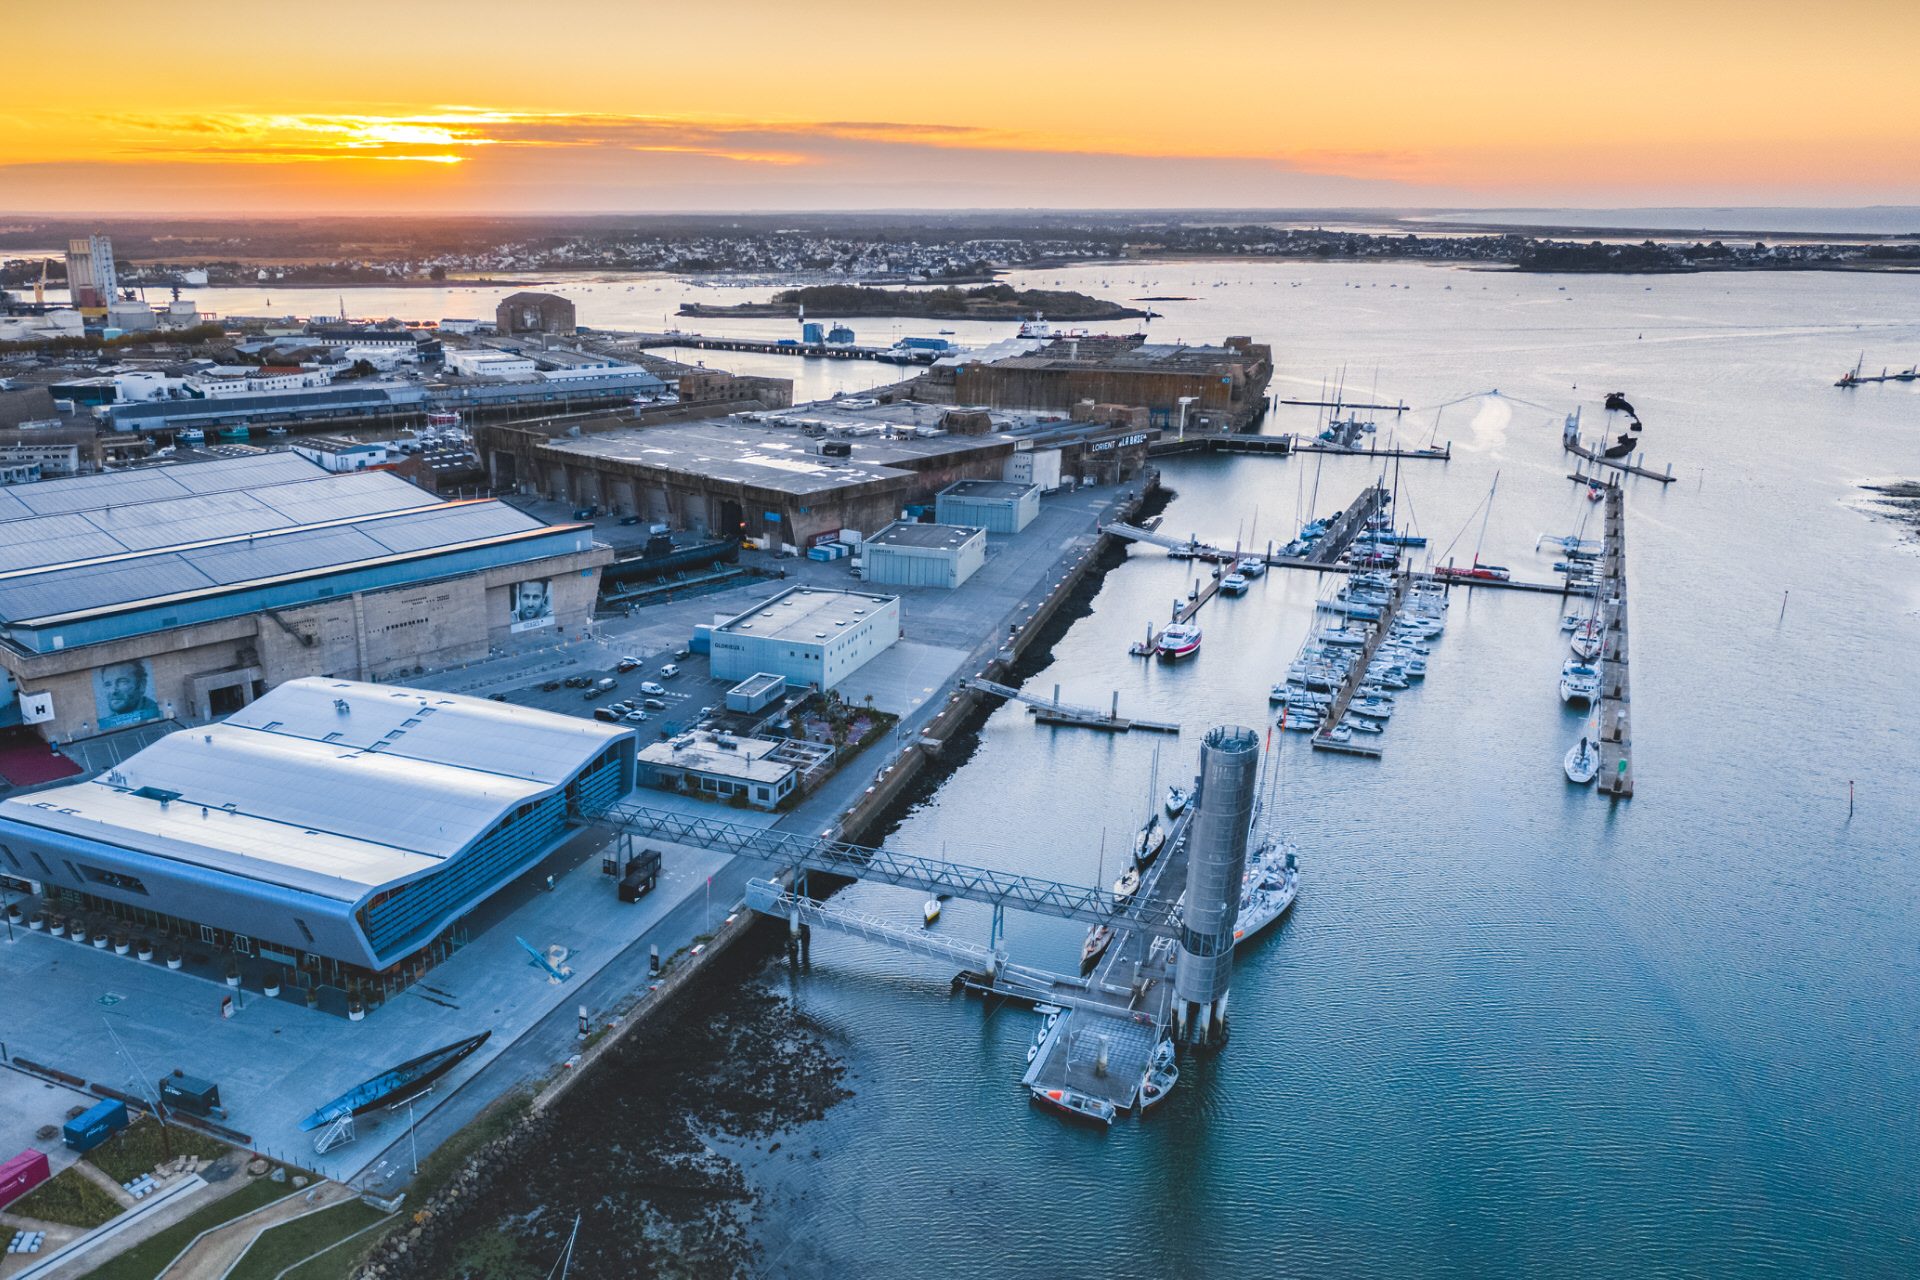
(95, 1125)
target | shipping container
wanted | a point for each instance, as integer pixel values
(95, 1125)
(191, 1095)
(22, 1174)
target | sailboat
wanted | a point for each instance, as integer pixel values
(1272, 879)
(1583, 761)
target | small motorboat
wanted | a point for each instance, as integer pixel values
(1126, 886)
(1360, 724)
(1582, 762)
(1177, 797)
(1234, 584)
(1251, 568)
(1099, 938)
(1339, 733)
(1305, 722)
(930, 911)
(1075, 1104)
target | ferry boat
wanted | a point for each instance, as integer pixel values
(1271, 884)
(1179, 640)
(407, 1080)
(1251, 567)
(1234, 584)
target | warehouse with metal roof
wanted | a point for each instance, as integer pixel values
(183, 592)
(336, 826)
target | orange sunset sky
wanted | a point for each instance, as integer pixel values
(634, 106)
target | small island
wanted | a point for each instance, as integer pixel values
(988, 302)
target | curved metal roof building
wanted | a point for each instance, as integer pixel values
(351, 821)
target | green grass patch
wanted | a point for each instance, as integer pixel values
(144, 1260)
(141, 1146)
(343, 1260)
(69, 1198)
(280, 1247)
(438, 1168)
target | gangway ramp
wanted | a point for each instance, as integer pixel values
(796, 854)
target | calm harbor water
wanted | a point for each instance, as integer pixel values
(1509, 1027)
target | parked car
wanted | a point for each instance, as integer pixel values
(652, 686)
(654, 704)
(604, 683)
(605, 713)
(549, 686)
(577, 682)
(626, 664)
(592, 693)
(629, 519)
(669, 671)
(498, 697)
(636, 717)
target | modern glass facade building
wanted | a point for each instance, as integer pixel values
(335, 826)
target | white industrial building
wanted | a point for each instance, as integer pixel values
(1037, 467)
(485, 362)
(811, 635)
(905, 554)
(756, 771)
(998, 506)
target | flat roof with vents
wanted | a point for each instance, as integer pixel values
(933, 537)
(813, 615)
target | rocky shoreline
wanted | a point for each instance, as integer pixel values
(1897, 501)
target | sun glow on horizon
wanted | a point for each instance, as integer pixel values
(1657, 101)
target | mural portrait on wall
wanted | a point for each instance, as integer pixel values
(530, 605)
(123, 694)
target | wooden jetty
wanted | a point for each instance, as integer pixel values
(1303, 444)
(1271, 446)
(1357, 676)
(1054, 711)
(1616, 696)
(766, 346)
(1579, 450)
(1348, 404)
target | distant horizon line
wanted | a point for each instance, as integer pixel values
(982, 210)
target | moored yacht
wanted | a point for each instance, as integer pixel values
(1583, 761)
(1579, 683)
(1179, 640)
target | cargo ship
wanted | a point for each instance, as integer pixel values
(408, 1080)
